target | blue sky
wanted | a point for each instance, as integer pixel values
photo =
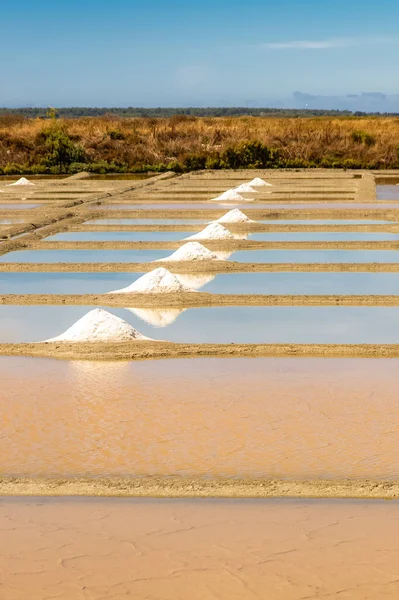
(208, 53)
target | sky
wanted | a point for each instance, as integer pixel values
(191, 53)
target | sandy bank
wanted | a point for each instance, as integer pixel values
(146, 350)
(180, 487)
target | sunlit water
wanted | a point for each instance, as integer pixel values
(359, 283)
(225, 325)
(279, 418)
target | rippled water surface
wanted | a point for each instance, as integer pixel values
(272, 417)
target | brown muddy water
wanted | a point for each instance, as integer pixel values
(258, 417)
(92, 549)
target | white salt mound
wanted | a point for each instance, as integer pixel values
(214, 231)
(98, 325)
(245, 188)
(258, 182)
(190, 251)
(230, 195)
(235, 216)
(21, 181)
(159, 281)
(158, 317)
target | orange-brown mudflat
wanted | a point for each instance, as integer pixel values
(92, 549)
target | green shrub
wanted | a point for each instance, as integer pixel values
(116, 135)
(194, 162)
(212, 162)
(249, 155)
(362, 137)
(59, 150)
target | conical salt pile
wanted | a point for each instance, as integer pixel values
(214, 231)
(98, 325)
(159, 281)
(21, 181)
(192, 251)
(258, 182)
(230, 195)
(245, 188)
(158, 317)
(234, 216)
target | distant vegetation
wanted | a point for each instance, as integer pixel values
(111, 143)
(76, 112)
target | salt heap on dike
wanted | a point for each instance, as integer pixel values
(258, 182)
(214, 231)
(230, 195)
(158, 317)
(98, 325)
(235, 216)
(21, 181)
(159, 281)
(246, 189)
(193, 251)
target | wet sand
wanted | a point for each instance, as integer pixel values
(168, 550)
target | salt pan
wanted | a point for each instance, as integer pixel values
(214, 231)
(245, 188)
(21, 181)
(192, 251)
(230, 195)
(159, 281)
(258, 182)
(235, 216)
(98, 325)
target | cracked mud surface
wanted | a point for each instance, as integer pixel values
(95, 549)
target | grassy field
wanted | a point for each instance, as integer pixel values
(181, 143)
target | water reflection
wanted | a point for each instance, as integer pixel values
(195, 281)
(157, 317)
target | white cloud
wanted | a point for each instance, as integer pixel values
(311, 44)
(327, 44)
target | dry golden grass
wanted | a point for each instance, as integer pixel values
(322, 141)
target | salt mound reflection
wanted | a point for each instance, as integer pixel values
(158, 317)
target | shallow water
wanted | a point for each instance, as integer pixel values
(294, 418)
(10, 221)
(157, 236)
(325, 221)
(18, 206)
(316, 256)
(323, 236)
(153, 221)
(232, 283)
(198, 549)
(253, 205)
(64, 283)
(304, 283)
(121, 236)
(387, 192)
(84, 256)
(230, 324)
